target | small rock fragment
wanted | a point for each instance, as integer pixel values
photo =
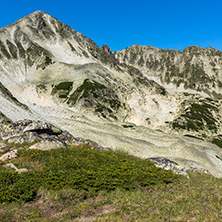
(9, 155)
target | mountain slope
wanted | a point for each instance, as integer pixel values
(52, 73)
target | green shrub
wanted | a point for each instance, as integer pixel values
(79, 168)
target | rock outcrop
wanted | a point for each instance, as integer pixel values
(28, 134)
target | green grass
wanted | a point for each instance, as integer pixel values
(84, 184)
(195, 199)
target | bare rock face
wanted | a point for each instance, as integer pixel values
(193, 68)
(27, 131)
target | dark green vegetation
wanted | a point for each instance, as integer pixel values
(193, 76)
(81, 168)
(62, 89)
(21, 50)
(12, 49)
(217, 140)
(198, 116)
(34, 52)
(4, 51)
(95, 95)
(87, 88)
(92, 95)
(71, 185)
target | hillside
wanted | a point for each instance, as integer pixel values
(147, 101)
(115, 187)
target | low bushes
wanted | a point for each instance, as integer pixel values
(81, 168)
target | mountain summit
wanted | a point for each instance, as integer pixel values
(148, 101)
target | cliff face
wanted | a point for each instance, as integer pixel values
(52, 73)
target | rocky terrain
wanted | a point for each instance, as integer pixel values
(28, 134)
(150, 102)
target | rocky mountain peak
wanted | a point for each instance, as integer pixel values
(106, 49)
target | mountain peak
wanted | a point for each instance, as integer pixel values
(39, 12)
(35, 16)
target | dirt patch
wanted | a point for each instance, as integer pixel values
(95, 211)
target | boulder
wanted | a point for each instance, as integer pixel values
(48, 145)
(9, 155)
(39, 135)
(41, 128)
(169, 165)
(12, 166)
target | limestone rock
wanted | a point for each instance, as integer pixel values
(44, 135)
(9, 155)
(12, 166)
(42, 127)
(48, 145)
(169, 165)
(30, 131)
(93, 93)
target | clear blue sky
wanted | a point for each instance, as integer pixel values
(173, 24)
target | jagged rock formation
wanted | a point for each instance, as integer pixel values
(50, 72)
(194, 68)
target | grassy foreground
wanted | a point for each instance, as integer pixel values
(82, 184)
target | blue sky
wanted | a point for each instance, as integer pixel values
(119, 23)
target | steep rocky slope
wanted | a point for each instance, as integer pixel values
(50, 72)
(193, 77)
